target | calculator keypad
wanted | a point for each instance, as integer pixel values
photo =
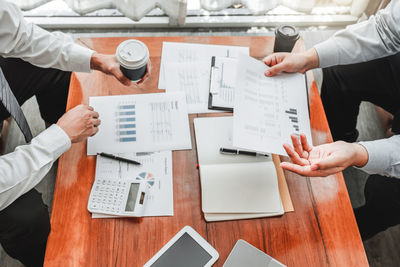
(107, 196)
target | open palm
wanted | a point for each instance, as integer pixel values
(322, 160)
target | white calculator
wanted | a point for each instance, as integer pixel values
(118, 197)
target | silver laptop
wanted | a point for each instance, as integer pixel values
(244, 254)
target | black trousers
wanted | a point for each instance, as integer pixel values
(50, 86)
(382, 206)
(24, 228)
(343, 89)
(25, 224)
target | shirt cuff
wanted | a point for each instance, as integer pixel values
(55, 138)
(327, 53)
(80, 58)
(379, 156)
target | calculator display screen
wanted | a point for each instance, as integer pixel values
(132, 195)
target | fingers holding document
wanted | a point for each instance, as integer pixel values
(80, 122)
(291, 62)
(278, 62)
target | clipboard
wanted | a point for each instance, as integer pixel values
(222, 83)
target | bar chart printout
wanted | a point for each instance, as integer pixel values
(268, 110)
(126, 123)
(294, 120)
(140, 123)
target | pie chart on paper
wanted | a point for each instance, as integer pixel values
(146, 176)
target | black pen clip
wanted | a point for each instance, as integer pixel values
(227, 151)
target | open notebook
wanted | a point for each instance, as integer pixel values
(236, 187)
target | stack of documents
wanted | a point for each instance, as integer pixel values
(186, 68)
(233, 186)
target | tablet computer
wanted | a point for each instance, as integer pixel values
(186, 248)
(244, 254)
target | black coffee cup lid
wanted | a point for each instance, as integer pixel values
(287, 32)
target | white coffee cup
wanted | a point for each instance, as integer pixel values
(133, 56)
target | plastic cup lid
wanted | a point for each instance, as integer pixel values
(132, 54)
(288, 31)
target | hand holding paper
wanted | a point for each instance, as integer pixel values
(268, 110)
(291, 62)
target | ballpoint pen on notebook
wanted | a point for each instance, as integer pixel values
(229, 151)
(118, 158)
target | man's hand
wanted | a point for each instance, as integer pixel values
(291, 62)
(79, 123)
(108, 64)
(325, 159)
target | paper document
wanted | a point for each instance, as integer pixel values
(222, 84)
(268, 109)
(155, 169)
(194, 80)
(193, 53)
(140, 123)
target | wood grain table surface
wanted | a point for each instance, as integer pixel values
(322, 230)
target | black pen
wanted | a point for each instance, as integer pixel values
(228, 151)
(118, 158)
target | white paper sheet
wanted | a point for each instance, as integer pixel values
(240, 188)
(190, 53)
(156, 170)
(140, 123)
(223, 82)
(268, 109)
(194, 80)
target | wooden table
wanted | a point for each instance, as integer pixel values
(322, 230)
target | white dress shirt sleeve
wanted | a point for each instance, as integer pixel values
(375, 38)
(24, 168)
(21, 39)
(383, 156)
